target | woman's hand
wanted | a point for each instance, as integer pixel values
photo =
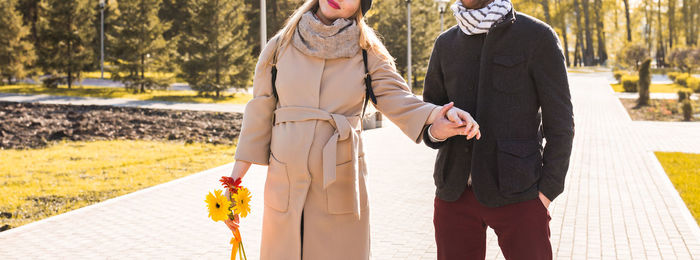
(454, 121)
(240, 168)
(464, 118)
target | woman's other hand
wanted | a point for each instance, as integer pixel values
(240, 168)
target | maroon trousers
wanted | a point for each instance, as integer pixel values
(460, 228)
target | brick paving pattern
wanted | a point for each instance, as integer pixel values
(618, 202)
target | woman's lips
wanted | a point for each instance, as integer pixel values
(333, 4)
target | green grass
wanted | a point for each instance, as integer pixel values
(38, 183)
(108, 92)
(684, 171)
(654, 88)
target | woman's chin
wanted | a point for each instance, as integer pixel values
(333, 14)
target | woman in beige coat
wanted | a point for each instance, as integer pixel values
(309, 135)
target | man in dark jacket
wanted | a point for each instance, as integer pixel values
(508, 71)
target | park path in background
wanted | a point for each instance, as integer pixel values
(53, 99)
(618, 202)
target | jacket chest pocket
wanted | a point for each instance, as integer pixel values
(509, 73)
(519, 166)
(277, 185)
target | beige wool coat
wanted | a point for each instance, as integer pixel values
(311, 142)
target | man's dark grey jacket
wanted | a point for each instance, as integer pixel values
(518, 92)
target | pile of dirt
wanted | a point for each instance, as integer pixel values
(35, 125)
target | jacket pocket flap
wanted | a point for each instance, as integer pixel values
(520, 148)
(508, 60)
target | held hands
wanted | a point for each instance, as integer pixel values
(454, 121)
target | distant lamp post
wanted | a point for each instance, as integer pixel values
(408, 40)
(442, 6)
(102, 39)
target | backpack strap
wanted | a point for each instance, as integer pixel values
(369, 93)
(274, 75)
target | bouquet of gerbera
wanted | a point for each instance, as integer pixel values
(222, 208)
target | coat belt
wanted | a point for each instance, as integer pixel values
(344, 129)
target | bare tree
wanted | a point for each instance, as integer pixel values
(562, 23)
(671, 20)
(588, 52)
(627, 19)
(545, 8)
(660, 48)
(600, 30)
(579, 34)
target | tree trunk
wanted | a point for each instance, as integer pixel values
(588, 52)
(143, 55)
(648, 24)
(562, 23)
(545, 8)
(694, 22)
(616, 16)
(602, 51)
(216, 49)
(70, 64)
(627, 19)
(643, 84)
(660, 48)
(579, 34)
(671, 19)
(143, 73)
(566, 46)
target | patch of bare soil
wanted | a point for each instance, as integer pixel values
(658, 110)
(35, 125)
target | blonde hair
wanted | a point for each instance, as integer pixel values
(368, 37)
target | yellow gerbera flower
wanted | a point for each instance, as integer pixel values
(241, 202)
(218, 205)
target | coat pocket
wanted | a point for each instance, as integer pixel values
(277, 185)
(509, 73)
(519, 166)
(340, 195)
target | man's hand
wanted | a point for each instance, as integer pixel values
(545, 200)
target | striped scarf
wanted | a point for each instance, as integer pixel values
(476, 21)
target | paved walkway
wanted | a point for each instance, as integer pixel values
(50, 99)
(618, 202)
(116, 84)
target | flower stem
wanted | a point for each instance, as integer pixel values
(243, 249)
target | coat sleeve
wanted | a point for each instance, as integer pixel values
(397, 102)
(434, 90)
(256, 129)
(548, 71)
